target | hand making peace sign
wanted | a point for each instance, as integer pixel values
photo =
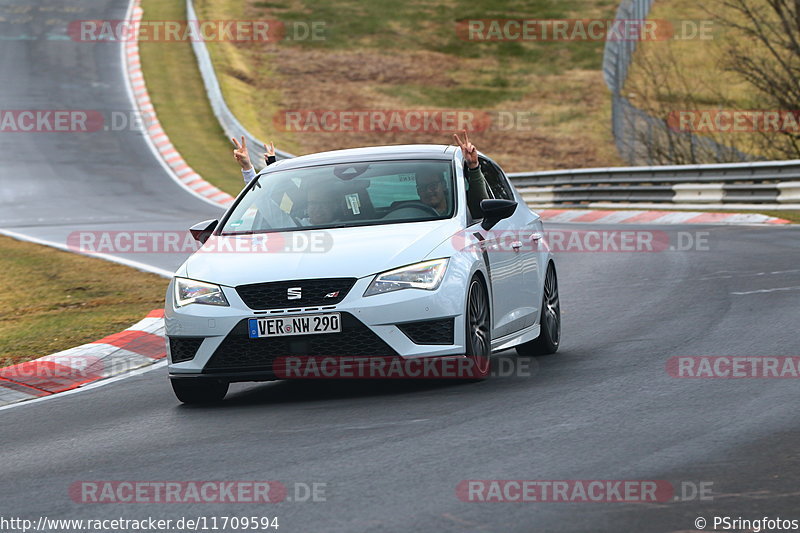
(269, 151)
(468, 149)
(241, 154)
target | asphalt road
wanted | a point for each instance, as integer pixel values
(53, 184)
(391, 454)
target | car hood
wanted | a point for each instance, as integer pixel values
(338, 252)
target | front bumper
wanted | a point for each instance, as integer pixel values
(371, 326)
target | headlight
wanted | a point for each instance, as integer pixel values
(426, 275)
(189, 291)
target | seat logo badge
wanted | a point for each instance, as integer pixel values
(294, 293)
(332, 294)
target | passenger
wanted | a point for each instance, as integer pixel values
(242, 156)
(323, 206)
(430, 188)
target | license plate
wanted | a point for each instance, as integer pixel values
(294, 325)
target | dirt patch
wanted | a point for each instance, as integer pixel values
(555, 136)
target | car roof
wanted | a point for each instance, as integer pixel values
(370, 153)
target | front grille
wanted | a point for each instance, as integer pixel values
(274, 295)
(430, 331)
(239, 353)
(184, 348)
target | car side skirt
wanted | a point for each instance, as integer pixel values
(516, 338)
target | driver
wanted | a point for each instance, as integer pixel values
(476, 183)
(430, 188)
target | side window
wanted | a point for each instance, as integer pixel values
(505, 183)
(495, 180)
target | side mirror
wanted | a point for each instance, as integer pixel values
(496, 210)
(203, 230)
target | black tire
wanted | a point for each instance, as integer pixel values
(478, 330)
(549, 338)
(199, 391)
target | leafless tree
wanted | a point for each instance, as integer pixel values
(660, 89)
(766, 53)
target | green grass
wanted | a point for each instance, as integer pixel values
(177, 92)
(365, 39)
(791, 216)
(423, 25)
(52, 300)
(490, 76)
(422, 95)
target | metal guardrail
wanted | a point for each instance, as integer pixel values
(768, 183)
(230, 124)
(618, 53)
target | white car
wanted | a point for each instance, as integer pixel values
(378, 252)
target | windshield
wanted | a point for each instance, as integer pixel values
(351, 194)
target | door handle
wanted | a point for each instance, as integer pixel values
(516, 245)
(536, 236)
